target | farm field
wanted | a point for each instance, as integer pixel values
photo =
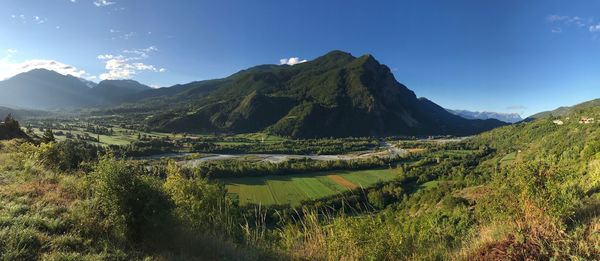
(293, 189)
(124, 136)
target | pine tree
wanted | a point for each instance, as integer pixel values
(10, 123)
(48, 136)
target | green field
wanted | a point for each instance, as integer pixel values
(292, 189)
(508, 159)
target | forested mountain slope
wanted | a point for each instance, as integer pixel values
(334, 95)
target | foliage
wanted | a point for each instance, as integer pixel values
(134, 207)
(525, 191)
(10, 128)
(335, 95)
(68, 155)
(202, 206)
(48, 136)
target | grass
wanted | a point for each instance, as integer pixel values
(431, 184)
(121, 136)
(509, 158)
(262, 137)
(293, 189)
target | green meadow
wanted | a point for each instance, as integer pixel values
(293, 189)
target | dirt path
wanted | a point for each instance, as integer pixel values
(342, 181)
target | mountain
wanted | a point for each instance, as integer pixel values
(48, 90)
(484, 115)
(44, 89)
(334, 95)
(109, 92)
(562, 111)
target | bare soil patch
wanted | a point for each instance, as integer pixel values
(342, 181)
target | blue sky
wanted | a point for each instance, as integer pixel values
(505, 56)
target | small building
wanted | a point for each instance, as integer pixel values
(586, 120)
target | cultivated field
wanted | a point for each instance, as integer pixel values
(293, 189)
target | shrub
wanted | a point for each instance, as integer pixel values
(200, 205)
(67, 155)
(134, 207)
(376, 199)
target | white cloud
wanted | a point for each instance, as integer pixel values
(10, 68)
(24, 19)
(569, 20)
(126, 66)
(102, 3)
(20, 17)
(39, 20)
(555, 18)
(562, 21)
(141, 53)
(291, 61)
(119, 35)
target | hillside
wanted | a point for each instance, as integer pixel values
(334, 95)
(561, 111)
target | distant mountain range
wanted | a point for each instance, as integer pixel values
(335, 95)
(47, 90)
(479, 115)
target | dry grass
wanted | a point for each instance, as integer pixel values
(416, 150)
(533, 236)
(484, 235)
(473, 194)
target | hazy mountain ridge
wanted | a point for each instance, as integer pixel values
(48, 90)
(112, 92)
(484, 115)
(44, 89)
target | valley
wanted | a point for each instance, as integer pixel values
(295, 162)
(299, 130)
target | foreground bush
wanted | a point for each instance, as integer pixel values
(201, 206)
(133, 207)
